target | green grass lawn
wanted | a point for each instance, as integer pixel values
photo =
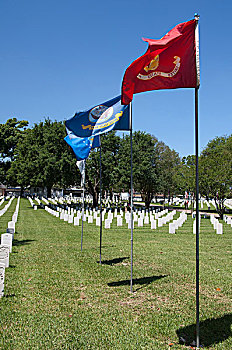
(59, 298)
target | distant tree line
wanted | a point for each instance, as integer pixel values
(39, 157)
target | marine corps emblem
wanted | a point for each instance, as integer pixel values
(153, 65)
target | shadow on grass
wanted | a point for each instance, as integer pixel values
(17, 243)
(9, 295)
(113, 261)
(145, 281)
(212, 331)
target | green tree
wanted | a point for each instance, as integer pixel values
(185, 175)
(11, 133)
(145, 160)
(110, 144)
(44, 159)
(215, 166)
(168, 163)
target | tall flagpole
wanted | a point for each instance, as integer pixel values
(83, 207)
(197, 183)
(100, 201)
(131, 281)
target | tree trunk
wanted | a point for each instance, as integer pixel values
(147, 197)
(164, 200)
(95, 199)
(21, 191)
(93, 190)
(219, 207)
(49, 192)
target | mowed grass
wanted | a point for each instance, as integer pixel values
(57, 297)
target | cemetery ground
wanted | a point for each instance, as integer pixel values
(57, 297)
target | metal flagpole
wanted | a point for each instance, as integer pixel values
(83, 206)
(131, 281)
(100, 202)
(197, 182)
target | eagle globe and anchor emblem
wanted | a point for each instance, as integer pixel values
(153, 65)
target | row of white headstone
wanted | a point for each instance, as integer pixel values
(2, 199)
(2, 211)
(216, 224)
(173, 226)
(89, 215)
(6, 247)
(142, 217)
(37, 200)
(32, 203)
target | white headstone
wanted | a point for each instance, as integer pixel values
(11, 224)
(4, 255)
(146, 219)
(219, 229)
(66, 217)
(70, 219)
(98, 222)
(194, 227)
(153, 224)
(215, 223)
(90, 219)
(6, 239)
(119, 221)
(107, 223)
(129, 224)
(140, 222)
(135, 217)
(15, 217)
(76, 221)
(172, 228)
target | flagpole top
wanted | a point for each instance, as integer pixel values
(197, 16)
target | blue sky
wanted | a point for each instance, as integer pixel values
(59, 57)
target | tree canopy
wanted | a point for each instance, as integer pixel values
(39, 157)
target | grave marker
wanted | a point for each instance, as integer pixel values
(4, 255)
(11, 224)
(119, 221)
(153, 224)
(107, 223)
(146, 220)
(172, 228)
(219, 229)
(76, 221)
(6, 239)
(90, 219)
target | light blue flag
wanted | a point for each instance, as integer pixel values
(81, 146)
(100, 119)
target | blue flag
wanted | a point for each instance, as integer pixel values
(81, 146)
(100, 119)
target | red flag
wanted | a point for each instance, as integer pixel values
(169, 63)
